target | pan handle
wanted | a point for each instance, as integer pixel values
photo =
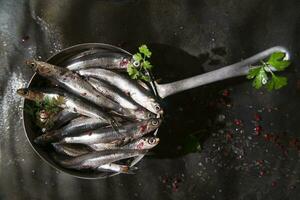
(238, 69)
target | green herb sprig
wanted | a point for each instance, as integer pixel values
(49, 105)
(140, 65)
(263, 75)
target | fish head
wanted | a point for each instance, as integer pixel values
(29, 94)
(149, 142)
(144, 114)
(32, 64)
(43, 68)
(151, 124)
(156, 108)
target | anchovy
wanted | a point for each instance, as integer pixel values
(78, 125)
(71, 149)
(107, 60)
(60, 119)
(108, 135)
(95, 159)
(128, 86)
(141, 143)
(112, 167)
(72, 82)
(66, 101)
(118, 96)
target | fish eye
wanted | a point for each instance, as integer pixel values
(157, 107)
(151, 141)
(136, 63)
(25, 92)
(151, 115)
(154, 122)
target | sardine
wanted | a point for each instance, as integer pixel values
(107, 135)
(95, 159)
(71, 149)
(112, 167)
(106, 60)
(66, 101)
(128, 86)
(60, 119)
(141, 143)
(78, 125)
(118, 96)
(72, 82)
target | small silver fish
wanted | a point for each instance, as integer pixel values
(108, 135)
(112, 167)
(141, 143)
(66, 101)
(72, 82)
(106, 60)
(77, 125)
(71, 149)
(95, 159)
(118, 96)
(128, 86)
(60, 119)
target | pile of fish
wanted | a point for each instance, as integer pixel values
(103, 115)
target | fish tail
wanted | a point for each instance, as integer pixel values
(128, 170)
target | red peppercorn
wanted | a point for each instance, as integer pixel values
(237, 122)
(257, 129)
(257, 117)
(226, 93)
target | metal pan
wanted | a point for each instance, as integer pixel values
(160, 90)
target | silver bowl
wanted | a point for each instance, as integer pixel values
(32, 131)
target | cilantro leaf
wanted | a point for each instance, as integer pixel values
(139, 71)
(279, 81)
(260, 73)
(144, 50)
(145, 78)
(276, 61)
(147, 65)
(133, 72)
(137, 57)
(260, 79)
(253, 72)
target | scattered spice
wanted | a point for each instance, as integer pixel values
(257, 130)
(226, 93)
(238, 122)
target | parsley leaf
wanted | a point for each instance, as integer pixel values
(260, 73)
(144, 50)
(276, 61)
(137, 57)
(140, 65)
(260, 79)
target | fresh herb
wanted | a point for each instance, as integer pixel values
(138, 69)
(264, 76)
(50, 106)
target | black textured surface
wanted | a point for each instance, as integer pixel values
(187, 38)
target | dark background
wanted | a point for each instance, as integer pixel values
(186, 38)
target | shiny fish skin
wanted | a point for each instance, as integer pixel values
(141, 143)
(118, 96)
(71, 149)
(70, 102)
(108, 135)
(112, 167)
(128, 86)
(78, 125)
(108, 60)
(95, 159)
(60, 119)
(72, 82)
